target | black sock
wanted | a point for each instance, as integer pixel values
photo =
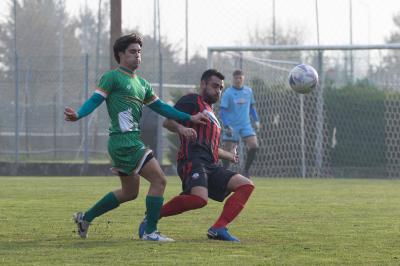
(251, 154)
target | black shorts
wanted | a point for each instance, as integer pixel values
(205, 174)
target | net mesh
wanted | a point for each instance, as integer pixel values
(347, 127)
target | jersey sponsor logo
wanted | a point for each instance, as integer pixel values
(195, 176)
(126, 122)
(241, 101)
(212, 117)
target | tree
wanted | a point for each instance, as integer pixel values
(395, 36)
(39, 27)
(386, 73)
(392, 60)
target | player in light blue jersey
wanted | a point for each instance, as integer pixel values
(237, 113)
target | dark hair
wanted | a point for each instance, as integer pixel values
(211, 72)
(238, 72)
(123, 42)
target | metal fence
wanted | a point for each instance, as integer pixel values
(34, 130)
(53, 51)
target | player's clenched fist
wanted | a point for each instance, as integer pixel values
(70, 114)
(199, 118)
(187, 132)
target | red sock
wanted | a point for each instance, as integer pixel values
(182, 203)
(234, 205)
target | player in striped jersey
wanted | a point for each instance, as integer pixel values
(125, 94)
(198, 168)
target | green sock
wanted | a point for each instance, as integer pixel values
(107, 203)
(153, 206)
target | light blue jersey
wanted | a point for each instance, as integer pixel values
(237, 104)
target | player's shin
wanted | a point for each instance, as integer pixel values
(234, 205)
(107, 203)
(251, 155)
(153, 207)
(182, 203)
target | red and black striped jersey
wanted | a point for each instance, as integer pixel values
(207, 142)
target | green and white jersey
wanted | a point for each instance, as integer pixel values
(125, 94)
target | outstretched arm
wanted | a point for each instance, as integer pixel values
(88, 107)
(170, 112)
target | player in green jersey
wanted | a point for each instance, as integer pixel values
(125, 94)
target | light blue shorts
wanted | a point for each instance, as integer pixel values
(239, 132)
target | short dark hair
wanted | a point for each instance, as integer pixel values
(211, 72)
(238, 72)
(123, 42)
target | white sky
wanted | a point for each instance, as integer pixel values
(228, 22)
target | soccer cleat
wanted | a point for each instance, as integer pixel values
(220, 234)
(156, 236)
(142, 227)
(83, 226)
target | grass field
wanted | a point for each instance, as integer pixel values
(286, 222)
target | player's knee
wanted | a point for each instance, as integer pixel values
(159, 181)
(244, 181)
(125, 196)
(250, 183)
(132, 196)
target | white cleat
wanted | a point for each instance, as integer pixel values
(83, 226)
(156, 236)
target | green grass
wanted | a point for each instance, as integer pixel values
(286, 222)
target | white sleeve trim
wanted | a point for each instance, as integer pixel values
(155, 99)
(102, 93)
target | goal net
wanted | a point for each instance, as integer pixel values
(347, 127)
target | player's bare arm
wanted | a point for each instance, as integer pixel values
(183, 131)
(229, 155)
(170, 112)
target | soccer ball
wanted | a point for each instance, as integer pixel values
(303, 78)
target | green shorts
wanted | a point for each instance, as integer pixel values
(127, 152)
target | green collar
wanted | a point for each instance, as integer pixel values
(126, 70)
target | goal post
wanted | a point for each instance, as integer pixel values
(334, 131)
